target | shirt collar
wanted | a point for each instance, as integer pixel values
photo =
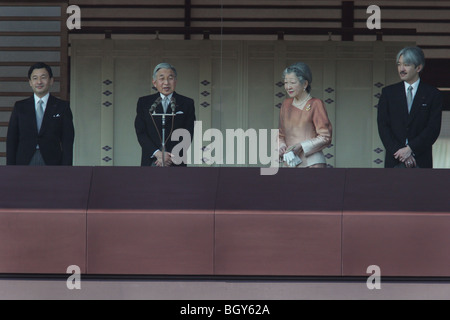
(415, 85)
(44, 99)
(163, 96)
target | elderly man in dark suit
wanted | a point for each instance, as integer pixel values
(149, 122)
(40, 130)
(409, 114)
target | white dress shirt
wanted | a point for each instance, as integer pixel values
(44, 99)
(415, 86)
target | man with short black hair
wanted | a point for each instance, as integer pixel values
(40, 130)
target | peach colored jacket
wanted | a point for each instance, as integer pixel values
(310, 127)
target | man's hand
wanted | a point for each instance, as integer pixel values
(282, 149)
(296, 148)
(403, 154)
(167, 159)
(410, 162)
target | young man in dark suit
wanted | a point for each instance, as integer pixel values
(149, 127)
(409, 114)
(40, 130)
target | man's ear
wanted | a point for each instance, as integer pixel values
(419, 68)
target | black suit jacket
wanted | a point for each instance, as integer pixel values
(421, 126)
(55, 138)
(149, 136)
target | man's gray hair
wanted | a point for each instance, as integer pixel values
(302, 72)
(164, 65)
(412, 55)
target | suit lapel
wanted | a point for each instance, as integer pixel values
(31, 112)
(417, 100)
(169, 119)
(49, 110)
(156, 120)
(401, 100)
(176, 97)
(158, 110)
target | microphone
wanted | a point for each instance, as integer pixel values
(173, 104)
(153, 107)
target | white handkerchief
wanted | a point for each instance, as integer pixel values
(296, 161)
(292, 159)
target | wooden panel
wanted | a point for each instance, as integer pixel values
(398, 220)
(401, 244)
(275, 225)
(224, 221)
(43, 219)
(163, 222)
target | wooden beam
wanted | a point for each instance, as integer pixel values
(16, 94)
(64, 58)
(29, 18)
(242, 31)
(187, 18)
(208, 6)
(25, 79)
(10, 33)
(27, 64)
(31, 3)
(30, 48)
(348, 18)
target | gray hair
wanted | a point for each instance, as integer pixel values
(412, 55)
(164, 65)
(302, 71)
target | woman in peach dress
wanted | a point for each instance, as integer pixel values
(304, 128)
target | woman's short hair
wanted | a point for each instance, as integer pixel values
(302, 71)
(412, 55)
(164, 65)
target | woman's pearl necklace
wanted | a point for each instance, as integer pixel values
(301, 103)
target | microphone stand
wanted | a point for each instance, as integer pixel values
(163, 120)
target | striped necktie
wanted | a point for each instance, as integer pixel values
(39, 114)
(409, 98)
(165, 103)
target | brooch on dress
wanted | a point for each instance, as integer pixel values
(308, 107)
